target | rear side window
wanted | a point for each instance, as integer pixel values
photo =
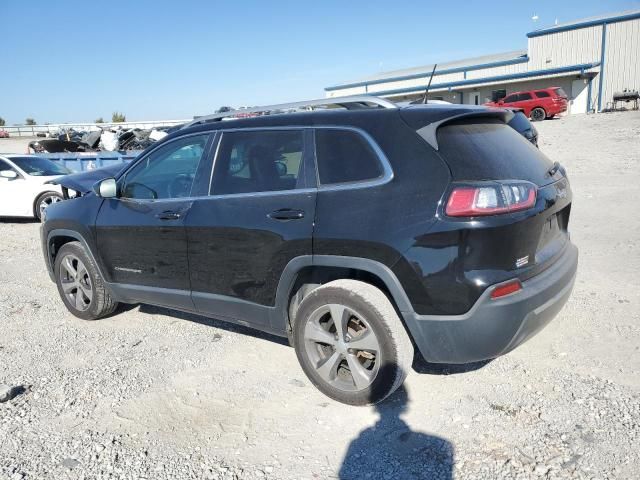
(491, 150)
(259, 161)
(561, 93)
(524, 96)
(345, 156)
(542, 94)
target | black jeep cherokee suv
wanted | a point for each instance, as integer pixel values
(359, 233)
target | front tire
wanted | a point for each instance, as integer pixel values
(538, 114)
(351, 343)
(43, 201)
(80, 285)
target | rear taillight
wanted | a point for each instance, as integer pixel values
(490, 198)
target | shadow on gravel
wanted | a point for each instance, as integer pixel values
(210, 322)
(422, 366)
(390, 449)
(18, 220)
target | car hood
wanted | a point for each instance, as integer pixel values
(83, 182)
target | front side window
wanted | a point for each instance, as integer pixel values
(511, 98)
(167, 172)
(259, 161)
(524, 96)
(5, 166)
(345, 156)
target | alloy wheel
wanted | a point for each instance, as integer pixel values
(342, 347)
(76, 282)
(46, 201)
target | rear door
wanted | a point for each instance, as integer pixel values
(526, 102)
(258, 217)
(141, 236)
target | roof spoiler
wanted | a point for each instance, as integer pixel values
(430, 132)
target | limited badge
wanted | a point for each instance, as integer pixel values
(522, 261)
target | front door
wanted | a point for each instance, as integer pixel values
(259, 216)
(140, 234)
(13, 193)
(474, 98)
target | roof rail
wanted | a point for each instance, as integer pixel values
(351, 102)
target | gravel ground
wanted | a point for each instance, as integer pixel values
(15, 144)
(155, 394)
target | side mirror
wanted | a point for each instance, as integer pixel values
(107, 188)
(10, 174)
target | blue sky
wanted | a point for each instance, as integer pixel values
(78, 60)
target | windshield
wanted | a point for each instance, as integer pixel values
(39, 167)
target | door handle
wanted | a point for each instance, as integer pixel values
(169, 215)
(286, 214)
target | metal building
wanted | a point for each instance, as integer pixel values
(590, 59)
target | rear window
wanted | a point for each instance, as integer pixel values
(542, 94)
(491, 150)
(345, 156)
(560, 92)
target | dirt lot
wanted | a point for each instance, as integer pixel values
(154, 394)
(15, 144)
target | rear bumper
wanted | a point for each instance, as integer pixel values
(494, 327)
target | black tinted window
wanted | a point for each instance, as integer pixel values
(345, 156)
(167, 172)
(510, 98)
(542, 94)
(486, 149)
(259, 161)
(524, 96)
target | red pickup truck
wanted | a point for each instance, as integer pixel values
(536, 104)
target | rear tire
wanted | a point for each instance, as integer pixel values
(538, 114)
(43, 201)
(367, 359)
(80, 285)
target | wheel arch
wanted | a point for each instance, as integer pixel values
(319, 269)
(37, 198)
(56, 239)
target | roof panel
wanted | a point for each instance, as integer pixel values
(426, 69)
(587, 22)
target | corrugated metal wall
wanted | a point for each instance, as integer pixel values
(622, 59)
(572, 47)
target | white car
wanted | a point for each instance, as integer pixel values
(23, 188)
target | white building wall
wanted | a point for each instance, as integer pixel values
(572, 47)
(622, 59)
(497, 71)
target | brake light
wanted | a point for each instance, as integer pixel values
(506, 289)
(491, 198)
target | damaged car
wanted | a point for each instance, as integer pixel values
(24, 187)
